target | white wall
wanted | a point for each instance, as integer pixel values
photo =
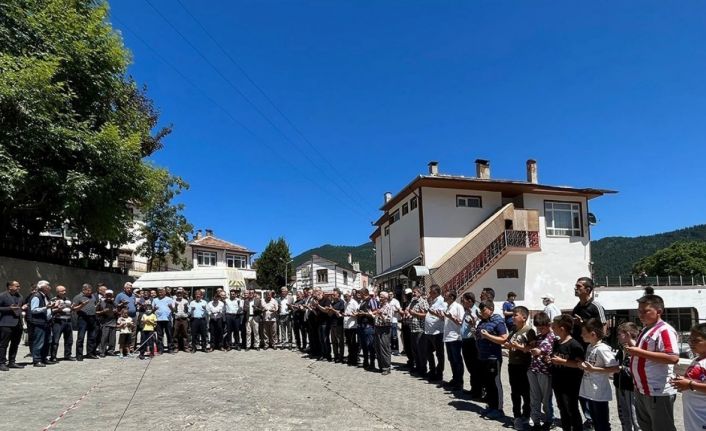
(379, 253)
(445, 224)
(220, 257)
(335, 276)
(404, 235)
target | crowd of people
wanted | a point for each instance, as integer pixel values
(553, 359)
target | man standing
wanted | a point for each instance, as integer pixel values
(508, 306)
(338, 308)
(61, 325)
(434, 333)
(417, 312)
(234, 314)
(197, 310)
(453, 318)
(10, 325)
(41, 312)
(285, 318)
(298, 322)
(323, 310)
(350, 328)
(163, 306)
(84, 305)
(383, 322)
(127, 298)
(252, 313)
(550, 309)
(181, 321)
(366, 327)
(107, 314)
(271, 309)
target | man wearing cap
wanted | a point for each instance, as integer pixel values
(550, 308)
(10, 325)
(41, 309)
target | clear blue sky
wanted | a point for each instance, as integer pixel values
(602, 94)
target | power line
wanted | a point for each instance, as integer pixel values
(232, 118)
(250, 102)
(269, 99)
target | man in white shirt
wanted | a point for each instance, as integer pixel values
(234, 316)
(350, 329)
(284, 319)
(550, 308)
(453, 317)
(394, 339)
(434, 333)
(270, 307)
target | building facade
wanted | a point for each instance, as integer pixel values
(328, 275)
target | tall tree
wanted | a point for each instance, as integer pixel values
(680, 258)
(272, 265)
(165, 230)
(74, 128)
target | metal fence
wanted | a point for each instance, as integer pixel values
(665, 280)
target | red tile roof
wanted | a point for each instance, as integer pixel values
(213, 242)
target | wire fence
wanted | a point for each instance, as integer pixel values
(631, 280)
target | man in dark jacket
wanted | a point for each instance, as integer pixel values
(10, 325)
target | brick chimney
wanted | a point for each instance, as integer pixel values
(532, 171)
(482, 169)
(209, 232)
(433, 168)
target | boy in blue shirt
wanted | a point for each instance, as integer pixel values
(491, 334)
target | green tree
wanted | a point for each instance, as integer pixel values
(165, 230)
(74, 128)
(680, 258)
(272, 263)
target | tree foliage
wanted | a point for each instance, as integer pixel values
(272, 263)
(74, 128)
(165, 230)
(680, 258)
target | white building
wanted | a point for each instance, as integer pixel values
(471, 232)
(328, 275)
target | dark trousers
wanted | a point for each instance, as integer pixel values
(313, 331)
(469, 350)
(418, 343)
(599, 415)
(490, 369)
(41, 343)
(216, 328)
(406, 340)
(300, 333)
(366, 335)
(394, 339)
(233, 322)
(61, 327)
(352, 345)
(337, 342)
(519, 390)
(97, 339)
(148, 341)
(383, 349)
(325, 339)
(107, 339)
(199, 333)
(435, 346)
(568, 402)
(453, 350)
(87, 328)
(164, 327)
(10, 336)
(181, 333)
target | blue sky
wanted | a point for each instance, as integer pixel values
(601, 94)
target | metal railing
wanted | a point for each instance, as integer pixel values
(630, 280)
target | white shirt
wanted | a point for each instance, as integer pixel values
(215, 310)
(552, 311)
(435, 325)
(348, 321)
(234, 306)
(652, 378)
(452, 330)
(284, 306)
(395, 304)
(270, 310)
(596, 386)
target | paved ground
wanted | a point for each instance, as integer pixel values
(266, 390)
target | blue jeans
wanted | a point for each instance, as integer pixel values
(86, 325)
(41, 343)
(366, 335)
(453, 350)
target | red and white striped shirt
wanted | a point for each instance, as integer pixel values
(652, 378)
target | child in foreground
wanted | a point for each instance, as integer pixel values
(692, 384)
(566, 375)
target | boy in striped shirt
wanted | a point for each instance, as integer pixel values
(652, 365)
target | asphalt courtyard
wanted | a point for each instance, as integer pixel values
(265, 390)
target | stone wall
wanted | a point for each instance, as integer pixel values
(29, 272)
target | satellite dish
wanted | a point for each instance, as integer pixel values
(592, 219)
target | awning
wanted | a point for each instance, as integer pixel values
(394, 270)
(226, 278)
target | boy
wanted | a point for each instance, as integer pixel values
(148, 340)
(508, 307)
(518, 364)
(652, 365)
(622, 380)
(566, 376)
(491, 334)
(125, 326)
(540, 378)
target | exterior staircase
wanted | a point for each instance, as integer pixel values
(484, 246)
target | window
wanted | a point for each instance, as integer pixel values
(413, 203)
(405, 209)
(322, 275)
(206, 258)
(395, 216)
(236, 261)
(469, 202)
(563, 218)
(508, 273)
(387, 230)
(345, 277)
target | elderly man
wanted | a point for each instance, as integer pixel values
(350, 328)
(181, 321)
(298, 321)
(163, 308)
(61, 325)
(434, 333)
(40, 314)
(338, 308)
(84, 305)
(284, 318)
(199, 328)
(127, 298)
(252, 316)
(107, 313)
(549, 307)
(383, 329)
(10, 325)
(271, 307)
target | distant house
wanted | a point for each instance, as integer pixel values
(464, 233)
(216, 263)
(328, 275)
